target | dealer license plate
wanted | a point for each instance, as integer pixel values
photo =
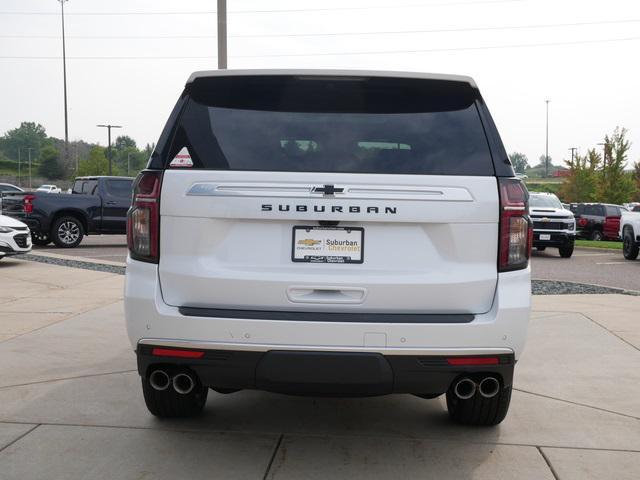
(328, 244)
(545, 236)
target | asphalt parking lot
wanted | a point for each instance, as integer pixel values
(71, 405)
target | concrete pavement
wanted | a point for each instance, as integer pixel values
(71, 405)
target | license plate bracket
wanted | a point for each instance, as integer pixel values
(317, 244)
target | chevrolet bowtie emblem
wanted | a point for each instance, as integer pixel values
(328, 190)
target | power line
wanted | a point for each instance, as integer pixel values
(339, 34)
(331, 54)
(289, 10)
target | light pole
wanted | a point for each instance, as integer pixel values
(573, 150)
(29, 149)
(19, 179)
(546, 149)
(64, 80)
(222, 34)
(128, 162)
(109, 127)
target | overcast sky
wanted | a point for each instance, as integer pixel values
(582, 55)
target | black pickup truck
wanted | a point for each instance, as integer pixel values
(96, 205)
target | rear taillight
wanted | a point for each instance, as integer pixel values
(143, 219)
(516, 232)
(28, 203)
(582, 222)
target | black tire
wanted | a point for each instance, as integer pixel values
(479, 410)
(630, 248)
(171, 404)
(566, 250)
(596, 236)
(67, 232)
(541, 249)
(40, 239)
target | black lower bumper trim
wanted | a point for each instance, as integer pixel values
(327, 316)
(555, 240)
(325, 373)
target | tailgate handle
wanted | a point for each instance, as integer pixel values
(326, 294)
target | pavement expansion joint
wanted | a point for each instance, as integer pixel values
(39, 382)
(551, 469)
(276, 448)
(576, 403)
(20, 437)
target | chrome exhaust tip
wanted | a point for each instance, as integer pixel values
(465, 388)
(489, 387)
(183, 383)
(159, 380)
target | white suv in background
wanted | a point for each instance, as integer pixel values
(553, 225)
(342, 233)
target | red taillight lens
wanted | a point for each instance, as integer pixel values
(583, 222)
(143, 219)
(516, 233)
(28, 203)
(171, 352)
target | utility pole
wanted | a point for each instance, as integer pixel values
(29, 149)
(64, 79)
(222, 34)
(573, 150)
(128, 162)
(109, 127)
(19, 179)
(546, 150)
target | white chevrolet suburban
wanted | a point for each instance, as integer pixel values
(330, 233)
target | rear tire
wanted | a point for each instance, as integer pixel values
(596, 236)
(67, 232)
(479, 410)
(630, 248)
(541, 249)
(566, 250)
(171, 404)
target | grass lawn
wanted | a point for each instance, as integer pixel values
(602, 244)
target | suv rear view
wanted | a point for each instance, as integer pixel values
(329, 233)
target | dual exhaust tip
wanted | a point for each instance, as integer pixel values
(182, 382)
(465, 388)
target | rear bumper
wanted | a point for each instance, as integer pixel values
(502, 329)
(322, 373)
(558, 239)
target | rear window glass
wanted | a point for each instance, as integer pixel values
(324, 124)
(85, 187)
(119, 188)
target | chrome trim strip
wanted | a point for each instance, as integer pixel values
(259, 347)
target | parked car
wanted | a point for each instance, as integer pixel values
(49, 189)
(247, 267)
(96, 205)
(553, 225)
(7, 187)
(597, 221)
(15, 237)
(630, 233)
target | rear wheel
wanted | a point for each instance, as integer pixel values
(596, 235)
(67, 232)
(41, 239)
(566, 250)
(170, 404)
(479, 410)
(629, 246)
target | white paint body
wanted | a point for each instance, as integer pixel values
(221, 248)
(7, 238)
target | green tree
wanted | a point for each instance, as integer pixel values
(519, 161)
(636, 177)
(123, 142)
(27, 135)
(50, 167)
(96, 164)
(614, 184)
(582, 182)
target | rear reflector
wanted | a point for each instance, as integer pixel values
(170, 352)
(472, 361)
